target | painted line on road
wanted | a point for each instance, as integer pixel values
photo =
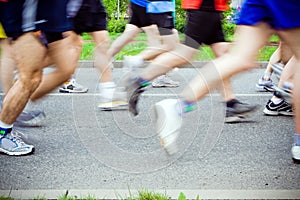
(173, 194)
(154, 94)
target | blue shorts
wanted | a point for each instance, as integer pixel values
(279, 14)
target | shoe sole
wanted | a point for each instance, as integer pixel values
(164, 86)
(275, 113)
(238, 117)
(264, 88)
(71, 91)
(125, 107)
(296, 161)
(121, 106)
(17, 153)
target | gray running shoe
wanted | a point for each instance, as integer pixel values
(31, 118)
(134, 89)
(265, 85)
(239, 111)
(12, 144)
(164, 81)
(72, 86)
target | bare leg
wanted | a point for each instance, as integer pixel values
(237, 60)
(65, 54)
(291, 37)
(167, 61)
(275, 58)
(131, 31)
(102, 60)
(225, 88)
(288, 72)
(30, 73)
(7, 65)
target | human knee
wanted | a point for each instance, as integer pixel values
(30, 79)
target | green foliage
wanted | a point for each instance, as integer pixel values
(112, 8)
(228, 29)
(116, 26)
(5, 198)
(145, 195)
(181, 196)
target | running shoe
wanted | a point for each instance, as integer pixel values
(282, 108)
(239, 111)
(265, 85)
(164, 81)
(168, 123)
(31, 118)
(113, 105)
(296, 153)
(134, 89)
(115, 101)
(71, 86)
(277, 69)
(12, 144)
(112, 98)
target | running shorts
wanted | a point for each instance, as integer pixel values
(278, 14)
(203, 27)
(91, 17)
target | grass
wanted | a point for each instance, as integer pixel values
(139, 44)
(142, 195)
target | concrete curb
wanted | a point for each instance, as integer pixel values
(119, 64)
(173, 194)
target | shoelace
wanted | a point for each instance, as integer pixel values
(16, 137)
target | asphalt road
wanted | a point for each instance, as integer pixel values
(81, 150)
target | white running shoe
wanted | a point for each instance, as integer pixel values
(113, 105)
(296, 153)
(168, 123)
(164, 81)
(112, 98)
(13, 145)
(71, 86)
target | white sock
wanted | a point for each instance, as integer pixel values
(276, 100)
(4, 125)
(107, 89)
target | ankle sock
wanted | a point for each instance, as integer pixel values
(297, 139)
(107, 90)
(142, 82)
(5, 128)
(276, 100)
(185, 106)
(267, 76)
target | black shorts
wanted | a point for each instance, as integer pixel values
(140, 18)
(203, 27)
(164, 22)
(90, 17)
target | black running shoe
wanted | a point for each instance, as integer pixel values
(239, 111)
(282, 108)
